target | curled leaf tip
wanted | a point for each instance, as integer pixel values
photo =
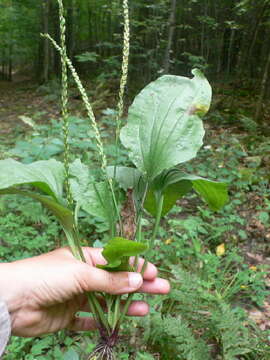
(199, 110)
(197, 72)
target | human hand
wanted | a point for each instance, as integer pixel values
(44, 293)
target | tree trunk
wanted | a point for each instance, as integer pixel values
(55, 57)
(10, 63)
(70, 29)
(255, 32)
(258, 115)
(230, 51)
(171, 26)
(3, 64)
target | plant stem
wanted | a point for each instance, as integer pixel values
(86, 103)
(139, 213)
(64, 100)
(125, 309)
(109, 303)
(92, 119)
(123, 81)
(125, 62)
(72, 234)
(93, 302)
(154, 234)
(116, 312)
(95, 307)
(138, 234)
(120, 105)
(157, 221)
(71, 243)
(155, 230)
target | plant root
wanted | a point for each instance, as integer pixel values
(102, 351)
(105, 349)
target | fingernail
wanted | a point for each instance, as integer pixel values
(135, 280)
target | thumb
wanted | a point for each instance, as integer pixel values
(93, 279)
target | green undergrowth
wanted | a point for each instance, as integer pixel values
(206, 314)
(27, 233)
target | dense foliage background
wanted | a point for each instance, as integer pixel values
(228, 39)
(218, 263)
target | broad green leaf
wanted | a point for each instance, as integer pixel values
(79, 180)
(46, 175)
(64, 215)
(117, 253)
(174, 184)
(164, 126)
(171, 194)
(129, 178)
(81, 173)
(126, 177)
(95, 199)
(214, 193)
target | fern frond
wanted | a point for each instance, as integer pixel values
(175, 339)
(233, 335)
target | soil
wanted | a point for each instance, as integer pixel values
(21, 98)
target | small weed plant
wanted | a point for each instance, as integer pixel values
(163, 131)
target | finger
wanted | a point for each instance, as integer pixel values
(94, 257)
(83, 324)
(94, 279)
(150, 272)
(136, 308)
(156, 286)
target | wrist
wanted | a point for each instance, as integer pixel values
(10, 287)
(5, 326)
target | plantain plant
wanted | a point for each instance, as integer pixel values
(163, 130)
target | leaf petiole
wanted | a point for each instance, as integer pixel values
(155, 230)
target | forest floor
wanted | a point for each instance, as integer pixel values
(22, 98)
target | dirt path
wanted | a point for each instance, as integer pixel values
(19, 98)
